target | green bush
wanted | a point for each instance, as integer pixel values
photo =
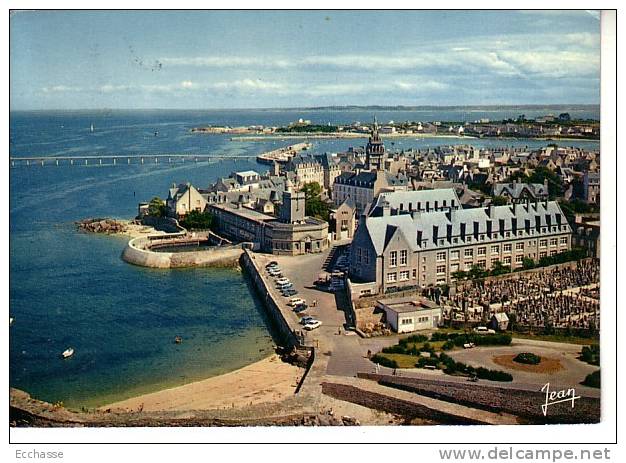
(448, 345)
(592, 379)
(591, 354)
(493, 375)
(415, 338)
(397, 349)
(527, 358)
(384, 361)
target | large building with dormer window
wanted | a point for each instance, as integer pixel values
(414, 239)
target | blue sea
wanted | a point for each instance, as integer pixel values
(72, 289)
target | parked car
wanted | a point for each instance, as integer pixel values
(313, 325)
(272, 263)
(296, 301)
(306, 319)
(289, 292)
(300, 308)
(282, 281)
(282, 286)
(483, 330)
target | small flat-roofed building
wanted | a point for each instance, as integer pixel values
(408, 314)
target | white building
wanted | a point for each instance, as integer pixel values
(405, 315)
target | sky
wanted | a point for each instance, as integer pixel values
(273, 59)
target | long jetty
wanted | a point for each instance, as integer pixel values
(112, 160)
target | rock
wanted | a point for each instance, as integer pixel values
(107, 226)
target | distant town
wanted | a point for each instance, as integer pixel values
(550, 126)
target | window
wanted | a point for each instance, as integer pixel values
(366, 256)
(404, 276)
(454, 255)
(519, 259)
(391, 277)
(519, 246)
(553, 241)
(441, 269)
(393, 258)
(553, 253)
(454, 268)
(482, 251)
(507, 260)
(564, 240)
(495, 249)
(469, 253)
(494, 261)
(543, 243)
(406, 321)
(403, 257)
(358, 255)
(482, 263)
(543, 254)
(414, 273)
(507, 247)
(441, 256)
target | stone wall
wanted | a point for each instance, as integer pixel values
(137, 252)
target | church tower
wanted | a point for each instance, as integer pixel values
(375, 151)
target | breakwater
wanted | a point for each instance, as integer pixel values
(138, 252)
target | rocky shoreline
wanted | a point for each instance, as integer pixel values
(102, 225)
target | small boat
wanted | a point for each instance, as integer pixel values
(91, 128)
(178, 339)
(67, 353)
(11, 320)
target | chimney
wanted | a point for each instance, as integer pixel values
(386, 209)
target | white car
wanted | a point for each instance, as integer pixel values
(483, 330)
(294, 301)
(312, 325)
(307, 319)
(282, 281)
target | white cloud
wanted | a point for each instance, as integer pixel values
(61, 89)
(546, 54)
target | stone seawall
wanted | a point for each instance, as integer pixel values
(282, 326)
(136, 253)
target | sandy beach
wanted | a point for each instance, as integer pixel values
(268, 380)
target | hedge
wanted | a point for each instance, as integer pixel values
(384, 361)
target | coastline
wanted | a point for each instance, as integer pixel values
(265, 381)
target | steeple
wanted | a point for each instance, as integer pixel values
(375, 150)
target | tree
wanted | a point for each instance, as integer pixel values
(157, 207)
(499, 269)
(459, 275)
(528, 263)
(314, 205)
(196, 220)
(477, 272)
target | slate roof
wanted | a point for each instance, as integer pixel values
(412, 226)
